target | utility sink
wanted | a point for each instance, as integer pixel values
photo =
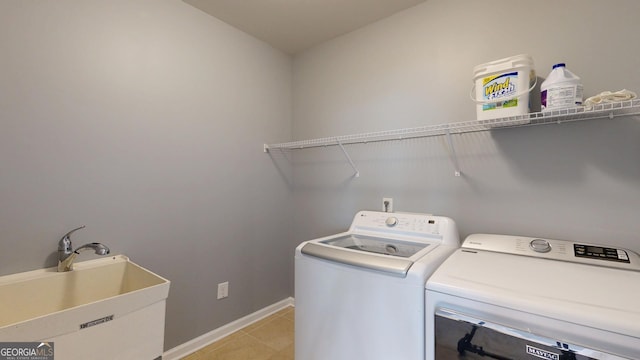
(110, 301)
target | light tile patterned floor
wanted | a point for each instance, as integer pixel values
(268, 339)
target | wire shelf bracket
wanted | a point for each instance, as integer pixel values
(346, 154)
(452, 154)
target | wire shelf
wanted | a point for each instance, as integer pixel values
(600, 111)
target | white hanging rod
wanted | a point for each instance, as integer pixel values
(608, 110)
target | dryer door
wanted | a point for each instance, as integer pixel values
(458, 336)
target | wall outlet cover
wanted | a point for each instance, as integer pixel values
(223, 290)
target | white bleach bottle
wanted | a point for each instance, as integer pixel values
(561, 89)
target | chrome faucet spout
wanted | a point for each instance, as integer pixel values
(99, 249)
(66, 254)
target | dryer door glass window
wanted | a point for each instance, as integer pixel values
(458, 336)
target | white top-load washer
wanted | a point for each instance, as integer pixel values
(360, 294)
(512, 297)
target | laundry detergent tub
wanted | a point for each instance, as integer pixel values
(502, 88)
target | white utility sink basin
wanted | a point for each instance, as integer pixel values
(109, 308)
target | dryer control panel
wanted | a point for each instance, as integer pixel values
(600, 253)
(555, 250)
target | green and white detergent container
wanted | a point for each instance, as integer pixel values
(502, 88)
(562, 89)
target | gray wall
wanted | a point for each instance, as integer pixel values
(144, 120)
(577, 181)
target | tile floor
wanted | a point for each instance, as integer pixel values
(268, 339)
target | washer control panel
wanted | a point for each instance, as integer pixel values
(554, 249)
(375, 223)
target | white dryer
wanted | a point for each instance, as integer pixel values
(511, 297)
(360, 294)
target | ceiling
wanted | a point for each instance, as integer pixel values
(296, 25)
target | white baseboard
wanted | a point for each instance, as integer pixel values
(198, 343)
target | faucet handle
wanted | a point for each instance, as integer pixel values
(67, 235)
(65, 243)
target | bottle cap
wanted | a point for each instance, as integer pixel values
(558, 65)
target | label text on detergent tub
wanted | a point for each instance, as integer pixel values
(498, 87)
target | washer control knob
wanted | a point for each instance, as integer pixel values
(392, 221)
(540, 245)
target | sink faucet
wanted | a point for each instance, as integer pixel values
(66, 254)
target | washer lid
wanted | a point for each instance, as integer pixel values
(599, 297)
(384, 254)
(376, 245)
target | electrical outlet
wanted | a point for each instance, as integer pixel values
(387, 204)
(223, 290)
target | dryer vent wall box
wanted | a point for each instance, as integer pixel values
(518, 297)
(360, 294)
